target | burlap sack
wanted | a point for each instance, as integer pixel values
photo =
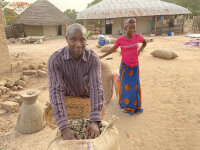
(106, 75)
(149, 39)
(108, 140)
(94, 37)
(164, 54)
(106, 48)
(113, 40)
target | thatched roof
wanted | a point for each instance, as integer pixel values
(131, 8)
(42, 12)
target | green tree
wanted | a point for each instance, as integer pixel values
(4, 4)
(10, 15)
(71, 13)
(192, 5)
(19, 6)
(93, 2)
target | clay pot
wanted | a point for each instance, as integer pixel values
(30, 119)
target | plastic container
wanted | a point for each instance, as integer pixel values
(101, 37)
(101, 42)
(169, 34)
(107, 40)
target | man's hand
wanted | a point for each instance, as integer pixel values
(92, 130)
(68, 134)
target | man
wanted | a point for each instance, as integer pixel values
(75, 71)
(88, 34)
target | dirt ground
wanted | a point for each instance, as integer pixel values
(170, 96)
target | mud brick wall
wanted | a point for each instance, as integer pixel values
(14, 31)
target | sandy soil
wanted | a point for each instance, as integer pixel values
(170, 94)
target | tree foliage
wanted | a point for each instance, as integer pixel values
(71, 13)
(93, 2)
(10, 15)
(4, 4)
(19, 6)
(192, 5)
(11, 10)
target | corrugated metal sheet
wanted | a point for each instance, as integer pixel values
(130, 8)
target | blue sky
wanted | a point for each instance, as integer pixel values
(78, 5)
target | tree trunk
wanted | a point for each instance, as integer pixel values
(4, 54)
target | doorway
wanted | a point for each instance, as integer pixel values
(108, 28)
(59, 29)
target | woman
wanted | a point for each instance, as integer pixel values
(130, 90)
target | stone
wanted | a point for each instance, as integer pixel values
(30, 72)
(25, 68)
(24, 78)
(14, 65)
(10, 106)
(18, 100)
(3, 112)
(2, 83)
(20, 88)
(3, 90)
(9, 84)
(20, 83)
(14, 88)
(42, 73)
(5, 98)
(44, 69)
(16, 55)
(20, 62)
(31, 67)
(40, 66)
(13, 94)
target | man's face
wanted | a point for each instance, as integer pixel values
(76, 42)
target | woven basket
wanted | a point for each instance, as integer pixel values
(75, 106)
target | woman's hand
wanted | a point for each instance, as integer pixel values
(114, 48)
(144, 43)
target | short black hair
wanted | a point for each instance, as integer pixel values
(74, 27)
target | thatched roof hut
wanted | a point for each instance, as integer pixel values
(43, 18)
(110, 14)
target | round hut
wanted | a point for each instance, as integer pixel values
(42, 18)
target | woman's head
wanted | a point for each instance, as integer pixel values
(130, 26)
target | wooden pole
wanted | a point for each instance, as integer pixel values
(155, 25)
(183, 25)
